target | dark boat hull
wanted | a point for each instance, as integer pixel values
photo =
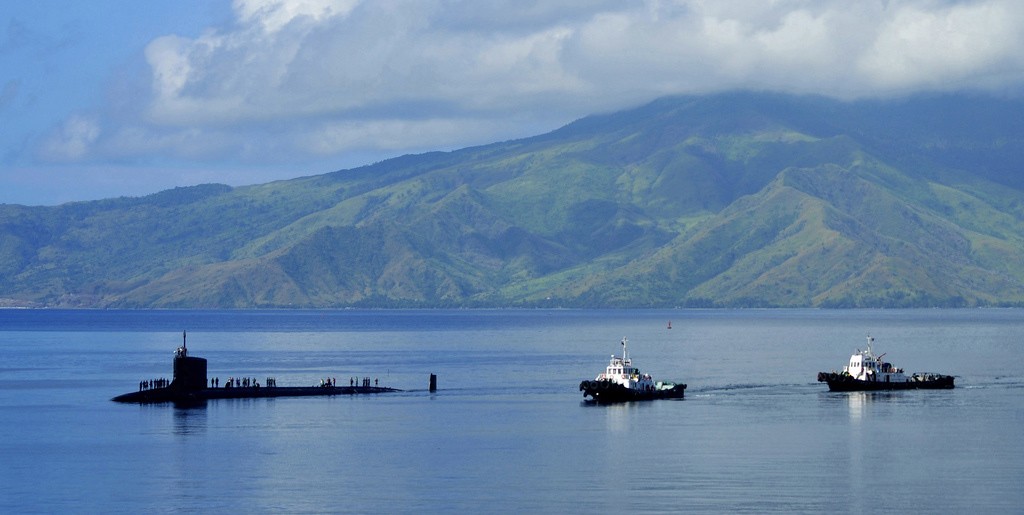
(171, 394)
(844, 383)
(607, 392)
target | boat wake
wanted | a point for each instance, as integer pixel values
(995, 383)
(776, 387)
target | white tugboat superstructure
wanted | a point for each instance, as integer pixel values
(621, 381)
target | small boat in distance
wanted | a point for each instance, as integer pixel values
(867, 372)
(622, 382)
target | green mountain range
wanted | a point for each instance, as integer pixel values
(730, 200)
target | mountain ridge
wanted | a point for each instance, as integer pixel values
(732, 200)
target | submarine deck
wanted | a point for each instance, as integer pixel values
(170, 394)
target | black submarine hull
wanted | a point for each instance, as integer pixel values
(177, 395)
(190, 385)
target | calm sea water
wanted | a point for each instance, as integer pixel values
(507, 431)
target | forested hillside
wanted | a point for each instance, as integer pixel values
(739, 199)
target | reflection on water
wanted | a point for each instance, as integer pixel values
(190, 419)
(856, 402)
(618, 415)
(859, 402)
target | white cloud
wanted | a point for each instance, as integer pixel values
(71, 141)
(273, 15)
(392, 135)
(302, 80)
(959, 44)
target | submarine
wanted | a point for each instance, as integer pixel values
(190, 385)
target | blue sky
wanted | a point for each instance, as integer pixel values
(107, 98)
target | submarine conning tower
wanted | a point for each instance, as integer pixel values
(189, 373)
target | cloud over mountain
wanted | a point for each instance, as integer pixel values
(305, 83)
(254, 90)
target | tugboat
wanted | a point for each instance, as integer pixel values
(621, 382)
(867, 372)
